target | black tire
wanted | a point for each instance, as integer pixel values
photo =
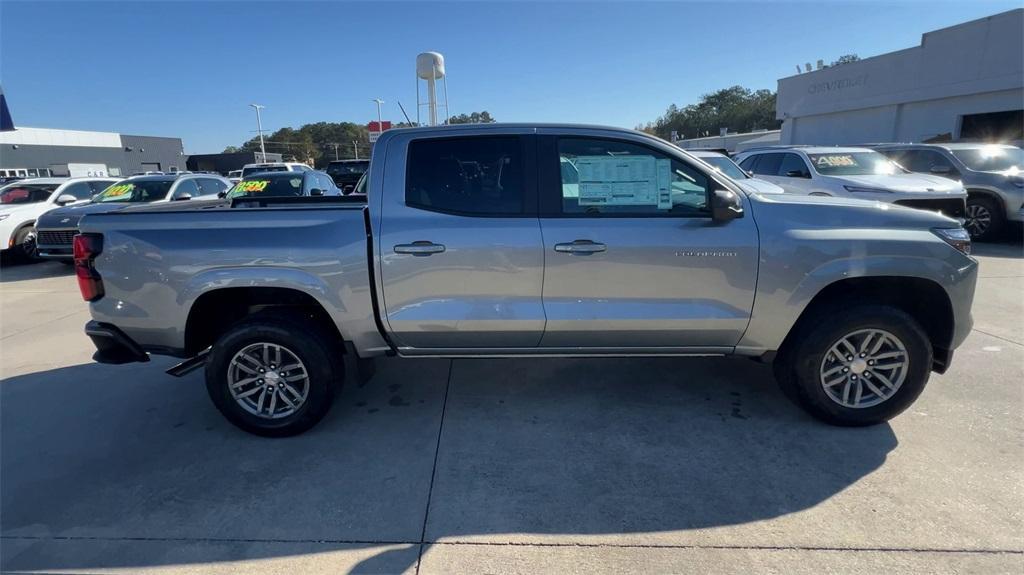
(25, 244)
(312, 345)
(984, 219)
(797, 367)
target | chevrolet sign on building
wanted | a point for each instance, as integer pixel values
(965, 82)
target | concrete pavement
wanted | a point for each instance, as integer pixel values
(511, 466)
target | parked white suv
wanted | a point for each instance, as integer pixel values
(858, 173)
(724, 164)
(274, 167)
(993, 175)
(22, 202)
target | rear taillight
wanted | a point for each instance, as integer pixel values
(86, 248)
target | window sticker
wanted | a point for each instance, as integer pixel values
(118, 191)
(250, 186)
(836, 161)
(624, 181)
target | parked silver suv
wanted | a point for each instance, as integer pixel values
(993, 175)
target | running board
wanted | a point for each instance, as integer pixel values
(189, 365)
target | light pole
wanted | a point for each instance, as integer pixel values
(259, 128)
(380, 123)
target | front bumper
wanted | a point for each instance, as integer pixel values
(112, 345)
(55, 244)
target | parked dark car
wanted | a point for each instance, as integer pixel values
(346, 173)
(284, 184)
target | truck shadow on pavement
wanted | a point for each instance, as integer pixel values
(98, 461)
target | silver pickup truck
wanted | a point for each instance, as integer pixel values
(546, 240)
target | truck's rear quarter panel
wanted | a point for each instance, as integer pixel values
(156, 264)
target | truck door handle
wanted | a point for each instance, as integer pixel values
(582, 247)
(420, 248)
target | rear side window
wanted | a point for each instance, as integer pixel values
(466, 176)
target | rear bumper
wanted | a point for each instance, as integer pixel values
(112, 345)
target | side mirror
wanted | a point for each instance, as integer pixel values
(66, 199)
(725, 206)
(316, 192)
(940, 169)
(750, 173)
(222, 194)
(185, 196)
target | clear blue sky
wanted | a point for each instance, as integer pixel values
(190, 69)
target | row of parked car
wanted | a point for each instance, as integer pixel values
(39, 216)
(980, 184)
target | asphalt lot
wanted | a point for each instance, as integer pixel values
(559, 466)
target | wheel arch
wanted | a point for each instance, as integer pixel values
(214, 312)
(923, 299)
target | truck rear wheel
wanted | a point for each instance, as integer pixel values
(859, 366)
(273, 375)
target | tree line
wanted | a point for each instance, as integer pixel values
(318, 143)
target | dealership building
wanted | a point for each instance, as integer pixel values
(31, 152)
(965, 82)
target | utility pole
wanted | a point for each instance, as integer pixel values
(259, 128)
(335, 144)
(355, 146)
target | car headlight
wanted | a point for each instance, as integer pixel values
(4, 217)
(956, 237)
(863, 190)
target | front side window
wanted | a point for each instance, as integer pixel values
(98, 186)
(615, 177)
(466, 176)
(793, 166)
(852, 164)
(135, 191)
(80, 190)
(186, 188)
(991, 158)
(210, 186)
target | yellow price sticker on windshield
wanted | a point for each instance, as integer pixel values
(251, 186)
(119, 190)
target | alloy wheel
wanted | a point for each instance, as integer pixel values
(979, 218)
(268, 380)
(864, 368)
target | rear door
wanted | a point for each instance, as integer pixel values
(460, 251)
(633, 259)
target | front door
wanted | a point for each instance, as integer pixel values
(633, 258)
(461, 255)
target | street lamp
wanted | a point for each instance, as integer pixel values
(380, 123)
(259, 128)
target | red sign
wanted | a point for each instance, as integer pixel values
(375, 126)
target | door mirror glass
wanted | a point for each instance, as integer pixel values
(725, 205)
(316, 192)
(65, 199)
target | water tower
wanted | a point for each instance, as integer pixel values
(430, 68)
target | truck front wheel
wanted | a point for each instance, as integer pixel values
(859, 366)
(273, 375)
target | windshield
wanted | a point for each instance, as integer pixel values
(853, 164)
(347, 167)
(26, 193)
(991, 158)
(726, 166)
(134, 191)
(268, 186)
(258, 169)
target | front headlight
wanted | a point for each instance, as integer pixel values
(4, 217)
(863, 190)
(956, 237)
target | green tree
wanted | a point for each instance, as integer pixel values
(474, 118)
(737, 108)
(315, 144)
(844, 59)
